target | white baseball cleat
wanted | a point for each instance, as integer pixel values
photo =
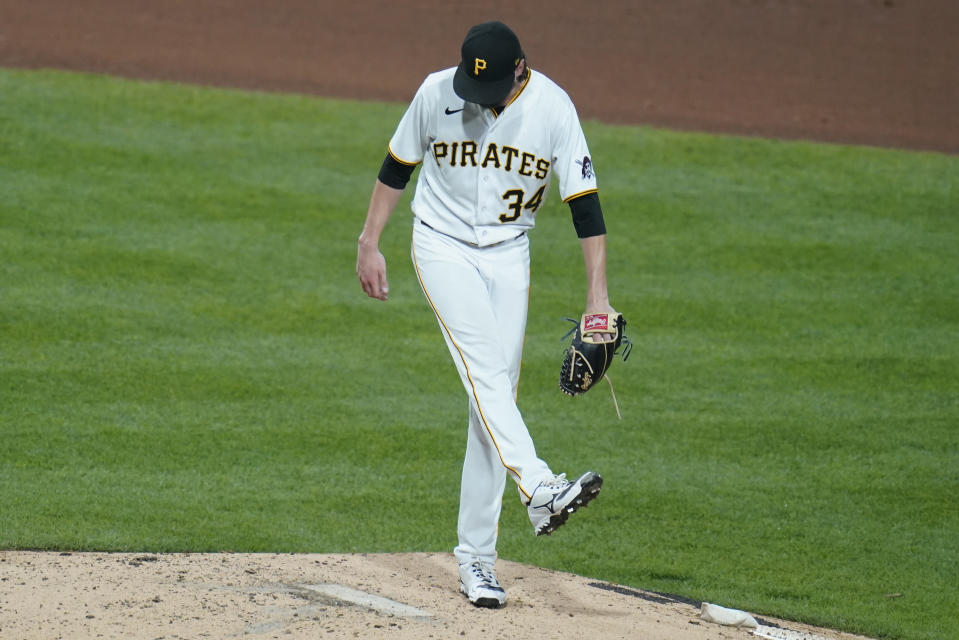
(478, 581)
(555, 498)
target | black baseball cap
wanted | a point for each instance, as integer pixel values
(490, 55)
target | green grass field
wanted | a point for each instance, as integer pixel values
(187, 362)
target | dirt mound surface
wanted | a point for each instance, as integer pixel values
(398, 596)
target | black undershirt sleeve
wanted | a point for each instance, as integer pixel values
(587, 215)
(395, 174)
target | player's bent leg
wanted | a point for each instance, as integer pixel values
(509, 299)
(459, 295)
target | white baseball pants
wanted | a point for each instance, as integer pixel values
(480, 296)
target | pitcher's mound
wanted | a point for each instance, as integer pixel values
(399, 596)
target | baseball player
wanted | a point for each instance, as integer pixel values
(490, 134)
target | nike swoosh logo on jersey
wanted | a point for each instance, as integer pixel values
(450, 112)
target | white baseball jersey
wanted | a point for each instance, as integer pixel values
(484, 174)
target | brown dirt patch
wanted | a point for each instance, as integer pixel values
(409, 596)
(879, 72)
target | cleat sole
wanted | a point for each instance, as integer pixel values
(487, 603)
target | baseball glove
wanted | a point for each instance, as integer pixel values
(587, 359)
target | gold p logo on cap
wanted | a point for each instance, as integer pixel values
(478, 65)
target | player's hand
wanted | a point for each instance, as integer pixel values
(602, 337)
(371, 270)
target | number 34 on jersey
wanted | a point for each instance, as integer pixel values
(466, 153)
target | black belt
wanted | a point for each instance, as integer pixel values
(472, 244)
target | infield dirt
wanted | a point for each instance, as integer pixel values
(408, 596)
